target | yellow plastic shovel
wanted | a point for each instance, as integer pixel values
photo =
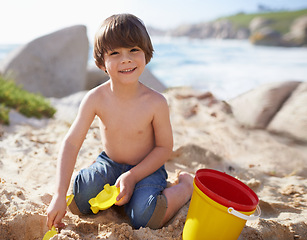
(105, 199)
(53, 231)
(50, 233)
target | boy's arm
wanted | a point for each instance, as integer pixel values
(67, 159)
(73, 142)
(156, 158)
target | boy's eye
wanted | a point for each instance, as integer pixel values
(134, 50)
(113, 53)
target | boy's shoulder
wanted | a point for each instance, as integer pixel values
(153, 93)
(99, 90)
(154, 97)
(96, 94)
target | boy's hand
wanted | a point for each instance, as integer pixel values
(56, 211)
(126, 183)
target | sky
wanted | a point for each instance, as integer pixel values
(24, 20)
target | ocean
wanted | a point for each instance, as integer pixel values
(226, 68)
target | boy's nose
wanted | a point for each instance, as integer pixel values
(126, 58)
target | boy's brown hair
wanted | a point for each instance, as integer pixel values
(121, 30)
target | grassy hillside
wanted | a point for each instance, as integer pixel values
(281, 21)
(28, 104)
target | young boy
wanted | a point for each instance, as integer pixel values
(135, 131)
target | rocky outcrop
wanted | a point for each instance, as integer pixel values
(151, 81)
(263, 34)
(258, 23)
(277, 107)
(257, 107)
(298, 33)
(261, 31)
(94, 77)
(266, 36)
(222, 29)
(291, 119)
(53, 65)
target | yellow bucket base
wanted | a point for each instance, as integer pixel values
(210, 220)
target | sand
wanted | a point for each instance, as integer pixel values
(206, 135)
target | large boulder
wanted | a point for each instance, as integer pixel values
(266, 36)
(291, 120)
(258, 23)
(95, 77)
(151, 81)
(256, 108)
(298, 33)
(53, 65)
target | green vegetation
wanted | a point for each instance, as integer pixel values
(4, 114)
(280, 21)
(28, 104)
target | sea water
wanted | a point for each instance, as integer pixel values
(227, 68)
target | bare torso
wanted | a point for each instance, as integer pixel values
(126, 126)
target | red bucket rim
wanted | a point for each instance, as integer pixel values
(222, 200)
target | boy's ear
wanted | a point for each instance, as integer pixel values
(103, 68)
(99, 65)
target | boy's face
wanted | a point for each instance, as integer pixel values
(124, 64)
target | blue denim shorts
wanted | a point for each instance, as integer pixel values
(90, 181)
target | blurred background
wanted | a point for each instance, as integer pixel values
(219, 46)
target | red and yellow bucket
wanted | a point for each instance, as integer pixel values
(219, 208)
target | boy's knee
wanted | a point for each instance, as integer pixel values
(157, 217)
(86, 186)
(74, 208)
(149, 217)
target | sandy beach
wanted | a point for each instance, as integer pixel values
(206, 135)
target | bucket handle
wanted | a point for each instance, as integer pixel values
(243, 216)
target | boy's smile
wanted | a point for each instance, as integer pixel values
(128, 70)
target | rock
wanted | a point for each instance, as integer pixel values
(262, 30)
(299, 27)
(242, 33)
(291, 120)
(262, 34)
(258, 23)
(151, 81)
(222, 29)
(67, 107)
(298, 33)
(17, 118)
(95, 77)
(267, 37)
(256, 108)
(53, 65)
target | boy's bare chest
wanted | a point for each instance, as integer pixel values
(127, 121)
